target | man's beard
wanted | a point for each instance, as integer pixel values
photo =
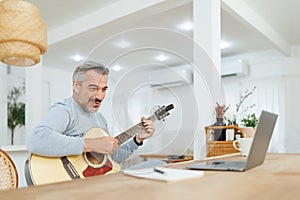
(85, 106)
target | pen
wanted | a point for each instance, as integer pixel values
(158, 171)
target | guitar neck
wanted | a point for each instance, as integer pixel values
(123, 137)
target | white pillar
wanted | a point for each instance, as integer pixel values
(3, 105)
(207, 82)
(207, 28)
(34, 102)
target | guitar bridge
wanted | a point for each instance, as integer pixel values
(69, 168)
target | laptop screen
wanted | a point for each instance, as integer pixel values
(261, 139)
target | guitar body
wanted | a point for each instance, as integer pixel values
(44, 170)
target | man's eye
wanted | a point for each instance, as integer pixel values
(92, 89)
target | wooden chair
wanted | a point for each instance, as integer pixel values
(8, 172)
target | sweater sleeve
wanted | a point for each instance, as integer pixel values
(49, 138)
(124, 151)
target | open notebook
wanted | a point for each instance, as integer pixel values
(164, 174)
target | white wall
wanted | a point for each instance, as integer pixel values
(3, 104)
(292, 129)
(58, 84)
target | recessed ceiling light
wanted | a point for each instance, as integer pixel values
(77, 58)
(116, 68)
(187, 26)
(224, 45)
(162, 58)
(123, 44)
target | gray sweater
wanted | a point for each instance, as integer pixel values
(61, 130)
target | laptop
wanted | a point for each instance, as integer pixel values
(257, 151)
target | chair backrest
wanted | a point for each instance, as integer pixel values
(8, 172)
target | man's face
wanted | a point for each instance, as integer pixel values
(90, 93)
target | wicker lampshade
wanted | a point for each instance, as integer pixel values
(23, 34)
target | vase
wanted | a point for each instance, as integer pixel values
(220, 134)
(248, 131)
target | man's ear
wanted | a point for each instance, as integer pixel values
(75, 86)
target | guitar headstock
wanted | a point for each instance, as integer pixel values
(162, 112)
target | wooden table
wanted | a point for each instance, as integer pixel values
(277, 178)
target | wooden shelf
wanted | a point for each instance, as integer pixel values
(216, 148)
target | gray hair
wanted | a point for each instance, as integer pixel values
(79, 72)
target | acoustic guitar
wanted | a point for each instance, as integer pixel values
(44, 170)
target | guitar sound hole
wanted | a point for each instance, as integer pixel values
(95, 158)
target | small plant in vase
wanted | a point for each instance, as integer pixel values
(250, 121)
(249, 124)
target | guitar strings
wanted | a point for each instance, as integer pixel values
(79, 162)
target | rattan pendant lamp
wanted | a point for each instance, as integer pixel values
(23, 34)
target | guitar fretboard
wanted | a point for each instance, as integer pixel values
(123, 137)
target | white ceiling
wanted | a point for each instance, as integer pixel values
(281, 17)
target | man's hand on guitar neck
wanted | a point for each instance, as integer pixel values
(147, 132)
(105, 145)
(108, 144)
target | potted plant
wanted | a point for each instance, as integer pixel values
(15, 110)
(249, 124)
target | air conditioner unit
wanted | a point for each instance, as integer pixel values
(172, 77)
(234, 68)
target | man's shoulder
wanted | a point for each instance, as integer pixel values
(64, 104)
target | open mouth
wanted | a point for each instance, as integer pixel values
(96, 103)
